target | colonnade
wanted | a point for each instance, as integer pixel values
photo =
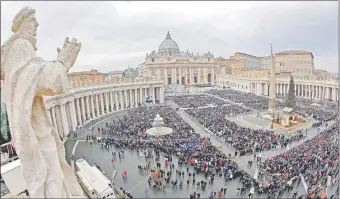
(305, 89)
(70, 111)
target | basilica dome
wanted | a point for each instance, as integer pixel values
(168, 46)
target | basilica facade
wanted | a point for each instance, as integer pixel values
(173, 66)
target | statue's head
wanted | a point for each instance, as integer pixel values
(25, 21)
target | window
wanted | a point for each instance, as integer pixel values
(208, 59)
(152, 59)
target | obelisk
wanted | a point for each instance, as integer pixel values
(272, 85)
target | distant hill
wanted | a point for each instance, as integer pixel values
(335, 74)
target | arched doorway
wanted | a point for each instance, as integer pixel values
(169, 80)
(209, 78)
(195, 79)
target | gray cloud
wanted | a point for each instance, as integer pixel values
(116, 35)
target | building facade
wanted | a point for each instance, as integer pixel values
(85, 77)
(86, 103)
(299, 63)
(173, 66)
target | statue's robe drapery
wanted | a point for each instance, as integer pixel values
(37, 143)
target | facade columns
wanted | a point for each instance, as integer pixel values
(54, 121)
(125, 98)
(121, 99)
(58, 121)
(131, 98)
(79, 121)
(116, 99)
(136, 97)
(111, 101)
(73, 115)
(198, 75)
(102, 103)
(97, 105)
(92, 105)
(87, 105)
(83, 109)
(107, 102)
(64, 120)
(141, 96)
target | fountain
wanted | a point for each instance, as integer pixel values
(158, 128)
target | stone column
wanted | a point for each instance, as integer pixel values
(107, 102)
(87, 99)
(111, 100)
(73, 114)
(136, 97)
(59, 121)
(198, 75)
(125, 98)
(190, 76)
(64, 120)
(102, 103)
(54, 121)
(205, 74)
(116, 100)
(295, 91)
(141, 95)
(97, 105)
(131, 97)
(121, 99)
(92, 106)
(82, 109)
(79, 121)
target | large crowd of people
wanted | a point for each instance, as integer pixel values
(247, 99)
(191, 150)
(245, 140)
(195, 101)
(316, 159)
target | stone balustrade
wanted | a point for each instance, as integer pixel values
(83, 103)
(311, 89)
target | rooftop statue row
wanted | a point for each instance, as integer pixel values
(187, 54)
(115, 80)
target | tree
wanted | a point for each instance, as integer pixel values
(291, 98)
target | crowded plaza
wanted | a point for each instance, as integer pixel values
(187, 160)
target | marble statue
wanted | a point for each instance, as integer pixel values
(26, 79)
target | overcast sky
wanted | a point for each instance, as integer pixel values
(116, 35)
